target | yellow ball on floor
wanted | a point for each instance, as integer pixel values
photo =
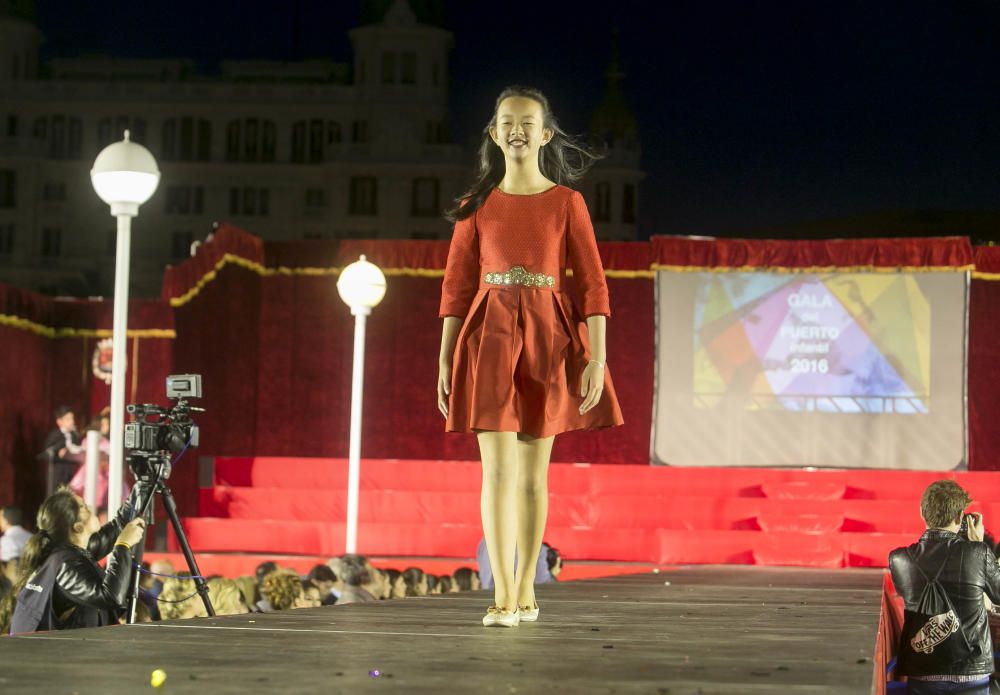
(158, 677)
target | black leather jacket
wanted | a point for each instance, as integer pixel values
(85, 595)
(970, 571)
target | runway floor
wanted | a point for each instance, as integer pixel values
(712, 629)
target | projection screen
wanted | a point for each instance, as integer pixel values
(844, 370)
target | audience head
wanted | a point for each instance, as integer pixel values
(354, 570)
(467, 579)
(942, 504)
(264, 569)
(395, 584)
(432, 584)
(248, 589)
(226, 597)
(180, 599)
(311, 597)
(65, 419)
(554, 561)
(10, 516)
(323, 578)
(446, 584)
(416, 581)
(282, 589)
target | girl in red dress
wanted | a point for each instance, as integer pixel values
(521, 362)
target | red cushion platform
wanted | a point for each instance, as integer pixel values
(647, 514)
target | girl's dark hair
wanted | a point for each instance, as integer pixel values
(463, 577)
(563, 160)
(55, 522)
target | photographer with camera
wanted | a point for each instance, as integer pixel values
(61, 586)
(945, 645)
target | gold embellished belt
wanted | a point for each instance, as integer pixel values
(517, 275)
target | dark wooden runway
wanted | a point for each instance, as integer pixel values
(711, 630)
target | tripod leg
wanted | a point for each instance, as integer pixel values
(171, 508)
(132, 598)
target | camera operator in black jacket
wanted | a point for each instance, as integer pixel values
(945, 654)
(60, 585)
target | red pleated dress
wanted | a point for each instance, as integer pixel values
(523, 347)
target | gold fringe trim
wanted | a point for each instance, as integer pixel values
(977, 275)
(621, 274)
(813, 269)
(50, 332)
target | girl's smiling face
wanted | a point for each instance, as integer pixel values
(519, 130)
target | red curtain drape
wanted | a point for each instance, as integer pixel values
(48, 349)
(984, 361)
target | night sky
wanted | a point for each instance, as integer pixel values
(750, 113)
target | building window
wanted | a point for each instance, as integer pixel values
(8, 188)
(602, 207)
(435, 75)
(434, 134)
(333, 135)
(359, 131)
(51, 242)
(316, 141)
(249, 201)
(185, 200)
(408, 68)
(187, 139)
(363, 196)
(628, 204)
(182, 245)
(54, 192)
(299, 142)
(425, 198)
(388, 67)
(65, 136)
(6, 239)
(269, 139)
(12, 126)
(315, 198)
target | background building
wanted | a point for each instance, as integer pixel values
(311, 149)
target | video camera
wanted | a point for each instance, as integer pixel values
(156, 431)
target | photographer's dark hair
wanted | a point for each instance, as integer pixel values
(942, 503)
(563, 160)
(55, 520)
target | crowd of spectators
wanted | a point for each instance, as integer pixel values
(169, 594)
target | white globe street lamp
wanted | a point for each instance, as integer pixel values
(125, 176)
(361, 285)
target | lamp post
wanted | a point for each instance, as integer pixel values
(124, 176)
(361, 285)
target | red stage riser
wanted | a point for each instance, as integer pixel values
(623, 513)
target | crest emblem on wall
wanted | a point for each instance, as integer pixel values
(101, 361)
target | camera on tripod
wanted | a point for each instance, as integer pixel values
(157, 432)
(153, 436)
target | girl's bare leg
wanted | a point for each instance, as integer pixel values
(532, 510)
(499, 510)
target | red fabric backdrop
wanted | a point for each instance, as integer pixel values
(984, 361)
(262, 322)
(48, 345)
